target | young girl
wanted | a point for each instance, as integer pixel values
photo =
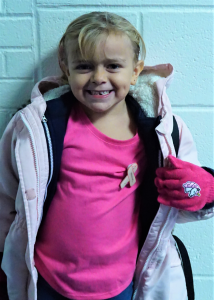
(82, 214)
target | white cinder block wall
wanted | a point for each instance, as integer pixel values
(179, 32)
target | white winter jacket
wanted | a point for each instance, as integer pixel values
(24, 175)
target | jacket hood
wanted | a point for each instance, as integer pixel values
(149, 91)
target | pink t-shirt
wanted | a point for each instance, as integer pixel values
(88, 244)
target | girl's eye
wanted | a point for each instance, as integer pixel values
(113, 66)
(83, 67)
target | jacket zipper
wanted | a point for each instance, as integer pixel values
(160, 235)
(152, 252)
(50, 150)
(33, 148)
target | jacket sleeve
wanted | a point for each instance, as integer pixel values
(8, 189)
(209, 205)
(8, 180)
(187, 152)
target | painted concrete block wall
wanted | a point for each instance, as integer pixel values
(174, 32)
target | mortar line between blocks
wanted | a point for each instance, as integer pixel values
(7, 110)
(151, 8)
(36, 40)
(19, 16)
(14, 79)
(203, 277)
(3, 64)
(38, 71)
(4, 6)
(193, 107)
(14, 49)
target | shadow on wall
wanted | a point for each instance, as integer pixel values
(48, 66)
(18, 93)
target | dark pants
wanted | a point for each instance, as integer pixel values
(46, 292)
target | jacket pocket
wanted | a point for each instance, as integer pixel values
(32, 204)
(30, 194)
(13, 262)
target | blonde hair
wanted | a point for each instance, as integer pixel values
(86, 29)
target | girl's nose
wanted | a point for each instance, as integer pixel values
(99, 76)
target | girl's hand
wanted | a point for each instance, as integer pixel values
(184, 185)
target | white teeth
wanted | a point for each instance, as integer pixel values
(100, 93)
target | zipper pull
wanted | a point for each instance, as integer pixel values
(44, 119)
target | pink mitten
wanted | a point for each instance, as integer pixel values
(184, 185)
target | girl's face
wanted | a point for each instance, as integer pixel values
(102, 84)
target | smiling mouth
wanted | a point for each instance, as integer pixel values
(99, 93)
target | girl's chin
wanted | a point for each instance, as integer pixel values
(96, 108)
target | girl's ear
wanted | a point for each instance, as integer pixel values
(63, 61)
(64, 68)
(137, 70)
